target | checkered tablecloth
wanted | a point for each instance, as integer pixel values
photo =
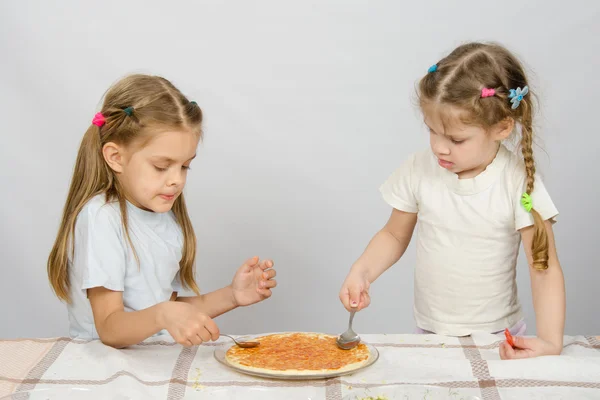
(421, 366)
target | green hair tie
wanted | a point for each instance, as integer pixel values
(193, 102)
(526, 202)
(128, 111)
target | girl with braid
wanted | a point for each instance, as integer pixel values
(474, 201)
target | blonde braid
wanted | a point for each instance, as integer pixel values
(539, 247)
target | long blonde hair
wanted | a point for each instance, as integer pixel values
(132, 107)
(458, 80)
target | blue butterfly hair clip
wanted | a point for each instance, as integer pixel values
(516, 95)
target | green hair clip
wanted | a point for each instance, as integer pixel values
(128, 111)
(526, 202)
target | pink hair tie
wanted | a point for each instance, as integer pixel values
(98, 120)
(485, 92)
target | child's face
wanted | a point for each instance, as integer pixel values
(465, 150)
(154, 175)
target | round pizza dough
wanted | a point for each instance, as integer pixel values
(297, 354)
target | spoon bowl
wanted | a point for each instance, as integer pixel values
(243, 344)
(348, 339)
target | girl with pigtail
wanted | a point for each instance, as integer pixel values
(474, 201)
(124, 256)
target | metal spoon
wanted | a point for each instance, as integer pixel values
(245, 345)
(348, 339)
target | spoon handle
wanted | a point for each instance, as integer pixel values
(230, 337)
(351, 318)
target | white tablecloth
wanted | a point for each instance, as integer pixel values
(417, 366)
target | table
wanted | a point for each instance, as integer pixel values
(461, 368)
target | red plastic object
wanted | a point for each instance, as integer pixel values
(509, 337)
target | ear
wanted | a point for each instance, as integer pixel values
(113, 155)
(503, 129)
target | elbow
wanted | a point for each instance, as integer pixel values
(110, 341)
(108, 335)
(110, 338)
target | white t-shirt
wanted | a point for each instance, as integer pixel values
(103, 258)
(467, 240)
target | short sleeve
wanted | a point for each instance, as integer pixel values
(541, 200)
(178, 287)
(398, 189)
(100, 255)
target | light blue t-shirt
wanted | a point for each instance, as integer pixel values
(103, 258)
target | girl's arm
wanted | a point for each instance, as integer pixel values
(548, 289)
(388, 245)
(119, 328)
(214, 303)
(383, 251)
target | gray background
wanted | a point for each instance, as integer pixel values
(309, 107)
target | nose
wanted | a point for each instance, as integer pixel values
(176, 178)
(439, 145)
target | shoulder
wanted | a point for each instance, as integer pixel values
(423, 157)
(515, 167)
(402, 187)
(425, 163)
(100, 212)
(516, 173)
(412, 170)
(416, 164)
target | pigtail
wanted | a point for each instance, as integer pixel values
(539, 247)
(90, 177)
(126, 122)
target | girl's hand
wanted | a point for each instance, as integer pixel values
(516, 347)
(186, 324)
(355, 291)
(253, 282)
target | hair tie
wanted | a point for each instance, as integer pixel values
(485, 92)
(433, 68)
(516, 95)
(526, 202)
(128, 111)
(193, 102)
(98, 120)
